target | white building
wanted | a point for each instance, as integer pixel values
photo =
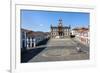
(82, 35)
(29, 38)
(60, 30)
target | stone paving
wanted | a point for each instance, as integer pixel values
(62, 50)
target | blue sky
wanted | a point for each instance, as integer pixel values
(41, 20)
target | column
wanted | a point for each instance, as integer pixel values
(30, 42)
(27, 43)
(25, 39)
(66, 32)
(34, 42)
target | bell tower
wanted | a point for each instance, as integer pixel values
(60, 22)
(60, 28)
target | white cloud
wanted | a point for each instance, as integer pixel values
(40, 25)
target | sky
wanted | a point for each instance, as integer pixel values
(41, 20)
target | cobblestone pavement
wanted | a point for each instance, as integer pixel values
(62, 50)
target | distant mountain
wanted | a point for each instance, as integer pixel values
(31, 33)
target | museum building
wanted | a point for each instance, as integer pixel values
(60, 31)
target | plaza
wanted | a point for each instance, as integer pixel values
(60, 50)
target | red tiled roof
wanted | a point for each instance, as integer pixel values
(82, 29)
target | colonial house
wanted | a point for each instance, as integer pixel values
(82, 34)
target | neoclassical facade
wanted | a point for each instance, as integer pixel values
(60, 31)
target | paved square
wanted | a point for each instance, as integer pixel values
(62, 50)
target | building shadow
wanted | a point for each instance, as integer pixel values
(29, 54)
